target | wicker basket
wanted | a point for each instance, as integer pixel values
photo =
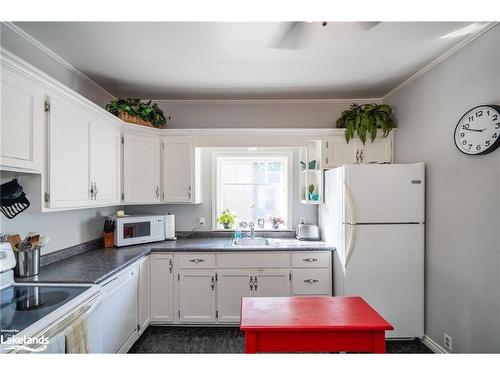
(134, 119)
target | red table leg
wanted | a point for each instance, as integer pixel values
(379, 342)
(250, 342)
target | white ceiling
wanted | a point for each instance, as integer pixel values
(221, 60)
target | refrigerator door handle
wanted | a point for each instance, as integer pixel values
(352, 238)
(350, 203)
(352, 234)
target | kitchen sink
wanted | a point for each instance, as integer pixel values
(252, 242)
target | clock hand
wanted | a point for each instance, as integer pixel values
(475, 130)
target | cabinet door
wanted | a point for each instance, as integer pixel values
(272, 283)
(21, 125)
(68, 153)
(144, 309)
(338, 152)
(232, 285)
(105, 161)
(141, 167)
(177, 170)
(162, 296)
(380, 151)
(196, 296)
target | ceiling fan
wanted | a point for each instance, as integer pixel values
(293, 35)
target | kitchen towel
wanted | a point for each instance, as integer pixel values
(76, 337)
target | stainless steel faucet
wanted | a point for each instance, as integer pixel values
(252, 229)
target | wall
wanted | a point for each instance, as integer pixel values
(65, 228)
(187, 215)
(255, 113)
(463, 195)
(25, 47)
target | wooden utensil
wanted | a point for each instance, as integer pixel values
(14, 240)
(34, 241)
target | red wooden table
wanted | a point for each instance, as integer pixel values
(312, 324)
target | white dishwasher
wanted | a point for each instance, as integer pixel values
(118, 311)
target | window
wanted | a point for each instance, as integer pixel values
(254, 187)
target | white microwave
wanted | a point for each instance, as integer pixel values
(132, 230)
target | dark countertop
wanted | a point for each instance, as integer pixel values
(95, 266)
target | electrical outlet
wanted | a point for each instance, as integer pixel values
(448, 342)
(201, 221)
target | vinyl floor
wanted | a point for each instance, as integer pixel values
(161, 339)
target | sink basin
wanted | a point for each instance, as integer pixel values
(252, 242)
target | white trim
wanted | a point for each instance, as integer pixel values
(457, 47)
(432, 345)
(37, 44)
(267, 101)
(14, 63)
(269, 153)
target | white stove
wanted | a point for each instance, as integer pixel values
(32, 314)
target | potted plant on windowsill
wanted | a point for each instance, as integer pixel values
(366, 119)
(135, 111)
(227, 219)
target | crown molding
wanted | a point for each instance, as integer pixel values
(439, 59)
(10, 61)
(268, 101)
(37, 44)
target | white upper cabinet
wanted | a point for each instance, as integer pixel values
(68, 155)
(181, 177)
(380, 151)
(141, 168)
(83, 154)
(105, 162)
(22, 121)
(338, 152)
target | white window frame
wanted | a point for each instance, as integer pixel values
(245, 154)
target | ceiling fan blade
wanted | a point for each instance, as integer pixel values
(368, 25)
(291, 35)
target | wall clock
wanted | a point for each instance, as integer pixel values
(478, 131)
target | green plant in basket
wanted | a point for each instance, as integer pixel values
(366, 119)
(135, 107)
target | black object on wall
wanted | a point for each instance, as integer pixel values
(13, 200)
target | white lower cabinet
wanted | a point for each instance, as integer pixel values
(196, 295)
(207, 287)
(144, 288)
(309, 281)
(272, 283)
(162, 288)
(232, 286)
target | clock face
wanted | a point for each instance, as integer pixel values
(478, 131)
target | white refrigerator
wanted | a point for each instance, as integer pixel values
(374, 215)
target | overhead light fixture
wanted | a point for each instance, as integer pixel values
(469, 29)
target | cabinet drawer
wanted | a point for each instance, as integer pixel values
(311, 281)
(196, 260)
(313, 259)
(253, 260)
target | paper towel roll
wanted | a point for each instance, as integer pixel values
(170, 227)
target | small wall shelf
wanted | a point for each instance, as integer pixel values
(311, 156)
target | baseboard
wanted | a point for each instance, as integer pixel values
(433, 345)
